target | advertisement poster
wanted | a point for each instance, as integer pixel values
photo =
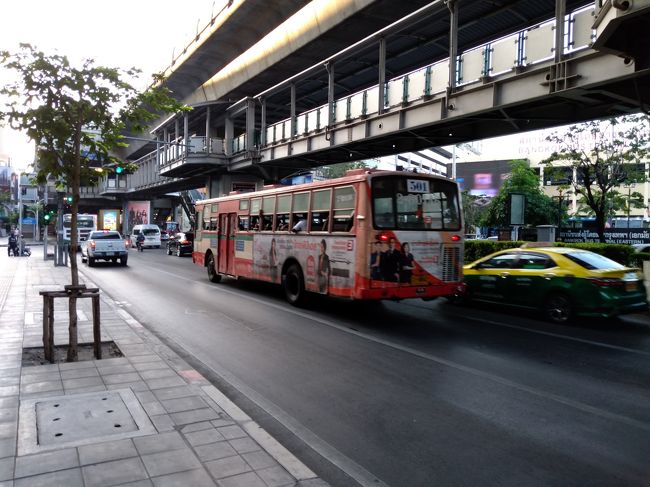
(139, 213)
(109, 219)
(398, 262)
(327, 263)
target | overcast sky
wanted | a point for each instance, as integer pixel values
(119, 33)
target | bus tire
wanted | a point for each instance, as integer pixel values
(213, 275)
(293, 284)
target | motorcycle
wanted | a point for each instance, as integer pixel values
(139, 245)
(14, 249)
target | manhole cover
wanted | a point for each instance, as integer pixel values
(80, 419)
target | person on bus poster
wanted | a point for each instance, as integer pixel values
(390, 259)
(406, 264)
(273, 261)
(375, 262)
(323, 268)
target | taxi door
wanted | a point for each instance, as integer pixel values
(490, 281)
(530, 278)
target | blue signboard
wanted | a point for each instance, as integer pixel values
(29, 221)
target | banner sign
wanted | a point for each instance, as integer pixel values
(612, 236)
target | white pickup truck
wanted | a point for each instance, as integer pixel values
(106, 245)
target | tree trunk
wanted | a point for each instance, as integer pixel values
(74, 271)
(600, 226)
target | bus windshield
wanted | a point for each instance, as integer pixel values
(410, 202)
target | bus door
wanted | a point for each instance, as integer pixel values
(227, 226)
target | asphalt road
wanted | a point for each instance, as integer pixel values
(412, 393)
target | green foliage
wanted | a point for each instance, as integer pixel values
(339, 170)
(623, 254)
(638, 258)
(476, 249)
(76, 116)
(540, 209)
(473, 211)
(604, 155)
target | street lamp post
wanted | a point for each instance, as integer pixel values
(628, 186)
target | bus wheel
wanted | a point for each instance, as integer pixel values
(294, 285)
(212, 272)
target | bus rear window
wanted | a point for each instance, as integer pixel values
(414, 203)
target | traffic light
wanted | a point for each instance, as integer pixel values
(69, 199)
(49, 216)
(119, 170)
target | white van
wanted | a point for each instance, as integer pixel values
(151, 235)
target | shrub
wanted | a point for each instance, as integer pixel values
(624, 254)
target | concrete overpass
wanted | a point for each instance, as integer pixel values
(341, 80)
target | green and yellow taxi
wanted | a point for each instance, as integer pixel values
(561, 282)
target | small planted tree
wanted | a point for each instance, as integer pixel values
(76, 115)
(540, 209)
(605, 156)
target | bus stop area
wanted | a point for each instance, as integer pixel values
(146, 417)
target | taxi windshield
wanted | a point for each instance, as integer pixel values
(593, 261)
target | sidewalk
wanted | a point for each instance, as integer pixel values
(143, 419)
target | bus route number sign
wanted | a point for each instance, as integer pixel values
(417, 185)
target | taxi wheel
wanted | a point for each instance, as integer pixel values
(558, 308)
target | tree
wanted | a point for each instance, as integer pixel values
(474, 210)
(604, 156)
(540, 209)
(339, 170)
(76, 116)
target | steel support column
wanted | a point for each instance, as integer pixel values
(177, 131)
(330, 93)
(208, 146)
(294, 129)
(382, 74)
(230, 135)
(186, 132)
(560, 14)
(452, 5)
(263, 122)
(250, 123)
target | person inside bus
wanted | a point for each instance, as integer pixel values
(390, 262)
(301, 226)
(405, 264)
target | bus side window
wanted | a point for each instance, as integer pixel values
(255, 222)
(242, 224)
(282, 223)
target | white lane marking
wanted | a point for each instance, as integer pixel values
(434, 358)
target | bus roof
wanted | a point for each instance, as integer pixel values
(352, 176)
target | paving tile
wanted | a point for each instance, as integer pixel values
(244, 445)
(9, 380)
(226, 467)
(34, 378)
(120, 378)
(138, 359)
(145, 396)
(141, 367)
(83, 390)
(157, 373)
(165, 382)
(117, 369)
(194, 416)
(8, 414)
(9, 391)
(158, 443)
(163, 422)
(41, 387)
(69, 366)
(183, 404)
(275, 476)
(259, 460)
(114, 473)
(9, 402)
(191, 428)
(244, 480)
(167, 462)
(111, 362)
(8, 430)
(154, 408)
(134, 386)
(46, 462)
(40, 369)
(174, 392)
(220, 423)
(204, 437)
(185, 479)
(144, 483)
(106, 452)
(232, 432)
(215, 451)
(79, 373)
(7, 447)
(67, 478)
(82, 382)
(7, 468)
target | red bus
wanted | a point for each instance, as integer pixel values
(369, 235)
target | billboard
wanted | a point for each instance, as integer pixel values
(139, 213)
(481, 178)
